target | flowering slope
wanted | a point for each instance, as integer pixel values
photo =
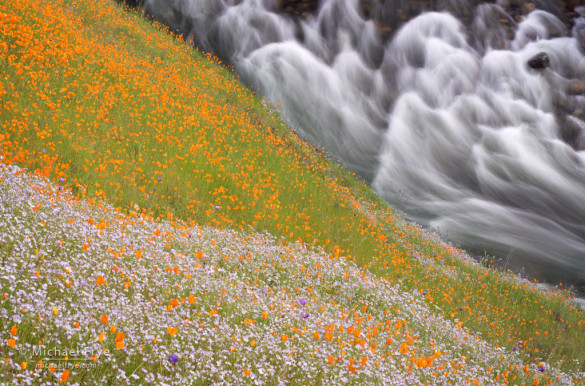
(135, 300)
(101, 101)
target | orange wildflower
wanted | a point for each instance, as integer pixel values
(119, 337)
(64, 376)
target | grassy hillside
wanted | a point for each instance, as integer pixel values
(140, 301)
(115, 109)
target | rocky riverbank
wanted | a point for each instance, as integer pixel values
(564, 10)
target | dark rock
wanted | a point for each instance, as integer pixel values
(539, 61)
(571, 132)
(300, 8)
(492, 27)
(579, 28)
(389, 15)
(576, 87)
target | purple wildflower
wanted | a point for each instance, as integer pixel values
(174, 359)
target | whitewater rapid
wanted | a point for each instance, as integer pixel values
(440, 112)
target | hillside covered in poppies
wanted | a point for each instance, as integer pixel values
(160, 223)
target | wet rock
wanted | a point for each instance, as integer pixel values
(576, 87)
(579, 28)
(572, 132)
(301, 8)
(539, 61)
(492, 27)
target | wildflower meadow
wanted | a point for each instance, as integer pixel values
(159, 223)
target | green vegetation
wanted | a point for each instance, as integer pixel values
(102, 102)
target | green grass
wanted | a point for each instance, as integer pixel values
(100, 100)
(230, 305)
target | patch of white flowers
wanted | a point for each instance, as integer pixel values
(130, 300)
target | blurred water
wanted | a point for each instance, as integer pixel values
(439, 111)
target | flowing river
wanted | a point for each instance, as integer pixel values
(467, 115)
